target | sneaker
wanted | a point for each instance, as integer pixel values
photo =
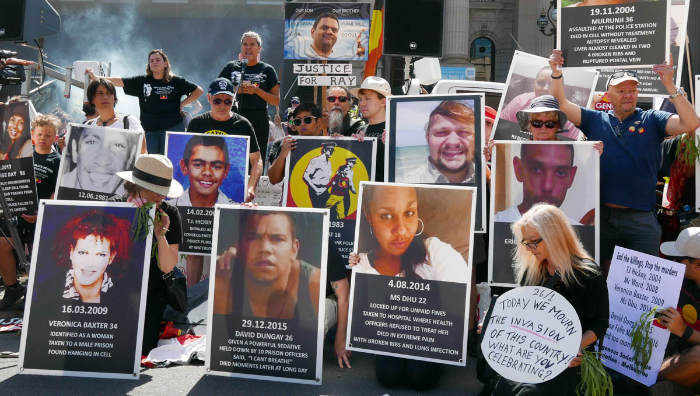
(12, 295)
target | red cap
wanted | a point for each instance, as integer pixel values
(490, 113)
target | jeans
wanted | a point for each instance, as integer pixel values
(155, 140)
(628, 228)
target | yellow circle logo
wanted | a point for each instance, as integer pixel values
(299, 189)
(690, 315)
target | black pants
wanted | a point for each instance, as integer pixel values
(416, 374)
(155, 306)
(562, 385)
(261, 125)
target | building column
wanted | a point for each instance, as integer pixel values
(455, 38)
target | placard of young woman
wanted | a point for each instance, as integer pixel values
(86, 298)
(412, 271)
(266, 293)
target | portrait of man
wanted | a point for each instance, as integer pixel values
(276, 281)
(546, 173)
(324, 34)
(205, 162)
(449, 134)
(318, 175)
(94, 155)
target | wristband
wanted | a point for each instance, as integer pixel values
(679, 91)
(557, 77)
(687, 333)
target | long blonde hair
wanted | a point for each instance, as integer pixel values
(566, 253)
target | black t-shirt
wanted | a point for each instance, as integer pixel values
(156, 284)
(335, 270)
(262, 75)
(45, 173)
(376, 131)
(236, 125)
(159, 101)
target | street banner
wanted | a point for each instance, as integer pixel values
(17, 182)
(410, 289)
(212, 169)
(267, 293)
(326, 173)
(638, 282)
(615, 35)
(529, 78)
(438, 139)
(649, 82)
(532, 335)
(86, 299)
(91, 159)
(564, 174)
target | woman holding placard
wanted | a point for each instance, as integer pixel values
(551, 255)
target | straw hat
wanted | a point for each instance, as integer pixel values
(154, 172)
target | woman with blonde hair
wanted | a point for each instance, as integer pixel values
(551, 255)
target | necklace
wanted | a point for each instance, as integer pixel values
(105, 122)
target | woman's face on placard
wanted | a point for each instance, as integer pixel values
(393, 216)
(89, 258)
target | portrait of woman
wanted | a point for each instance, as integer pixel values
(92, 247)
(550, 254)
(399, 244)
(15, 140)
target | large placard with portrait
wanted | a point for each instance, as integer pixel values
(411, 283)
(529, 78)
(649, 82)
(613, 34)
(325, 172)
(17, 181)
(326, 31)
(438, 139)
(86, 298)
(212, 169)
(267, 293)
(564, 174)
(91, 159)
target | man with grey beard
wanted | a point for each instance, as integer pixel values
(339, 121)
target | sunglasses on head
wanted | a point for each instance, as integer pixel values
(305, 120)
(218, 101)
(341, 99)
(623, 73)
(547, 124)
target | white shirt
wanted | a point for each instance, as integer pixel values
(184, 199)
(512, 214)
(428, 173)
(318, 171)
(134, 123)
(442, 263)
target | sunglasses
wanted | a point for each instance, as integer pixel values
(306, 120)
(341, 99)
(547, 124)
(623, 73)
(227, 102)
(533, 244)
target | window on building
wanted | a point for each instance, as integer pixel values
(481, 55)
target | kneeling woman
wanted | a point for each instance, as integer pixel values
(550, 254)
(151, 182)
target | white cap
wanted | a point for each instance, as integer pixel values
(686, 245)
(376, 84)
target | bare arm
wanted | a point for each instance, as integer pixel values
(117, 81)
(272, 97)
(275, 172)
(686, 120)
(572, 110)
(256, 166)
(167, 253)
(341, 289)
(192, 97)
(587, 339)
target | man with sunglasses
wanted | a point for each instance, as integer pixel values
(339, 120)
(221, 120)
(547, 172)
(628, 167)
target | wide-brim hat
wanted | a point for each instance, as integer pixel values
(686, 245)
(154, 172)
(542, 104)
(373, 83)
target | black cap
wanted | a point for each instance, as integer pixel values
(221, 86)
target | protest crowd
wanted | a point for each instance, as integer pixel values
(645, 161)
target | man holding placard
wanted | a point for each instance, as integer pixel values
(682, 363)
(631, 158)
